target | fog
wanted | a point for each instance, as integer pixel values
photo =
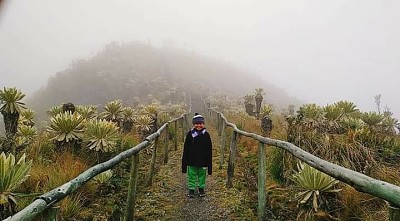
(319, 51)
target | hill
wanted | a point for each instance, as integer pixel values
(137, 73)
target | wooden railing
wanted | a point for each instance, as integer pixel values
(359, 181)
(45, 202)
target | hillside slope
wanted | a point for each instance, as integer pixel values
(138, 73)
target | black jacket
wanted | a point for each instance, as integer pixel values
(197, 151)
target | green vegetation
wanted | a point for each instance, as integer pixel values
(11, 107)
(340, 133)
(66, 129)
(12, 174)
(62, 150)
(313, 188)
(101, 135)
(138, 99)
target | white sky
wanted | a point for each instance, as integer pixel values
(319, 51)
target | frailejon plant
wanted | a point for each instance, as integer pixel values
(11, 107)
(144, 124)
(12, 174)
(88, 112)
(66, 128)
(349, 108)
(258, 96)
(314, 186)
(26, 117)
(103, 177)
(310, 115)
(389, 125)
(351, 123)
(266, 110)
(249, 104)
(372, 119)
(101, 135)
(332, 115)
(128, 117)
(55, 110)
(25, 135)
(264, 116)
(113, 111)
(152, 110)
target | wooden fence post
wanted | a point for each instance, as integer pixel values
(231, 164)
(216, 120)
(394, 213)
(183, 129)
(187, 123)
(261, 181)
(132, 188)
(153, 163)
(166, 145)
(176, 135)
(222, 148)
(218, 124)
(221, 121)
(51, 213)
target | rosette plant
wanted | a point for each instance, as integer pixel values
(26, 117)
(88, 112)
(12, 174)
(128, 118)
(25, 135)
(113, 111)
(314, 187)
(101, 135)
(66, 129)
(11, 107)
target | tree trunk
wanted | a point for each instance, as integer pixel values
(266, 125)
(127, 126)
(154, 126)
(249, 109)
(68, 107)
(11, 126)
(258, 104)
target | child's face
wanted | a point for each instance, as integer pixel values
(199, 125)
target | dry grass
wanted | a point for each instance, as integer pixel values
(46, 176)
(352, 205)
(357, 206)
(162, 200)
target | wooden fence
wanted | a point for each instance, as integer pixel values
(359, 181)
(45, 203)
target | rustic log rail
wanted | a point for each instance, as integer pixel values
(361, 182)
(46, 201)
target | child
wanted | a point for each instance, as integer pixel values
(197, 156)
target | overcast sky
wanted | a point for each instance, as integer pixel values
(319, 51)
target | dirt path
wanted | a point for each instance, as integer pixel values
(167, 200)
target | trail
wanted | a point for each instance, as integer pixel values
(167, 200)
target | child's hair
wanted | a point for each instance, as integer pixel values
(198, 118)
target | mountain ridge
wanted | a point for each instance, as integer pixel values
(137, 72)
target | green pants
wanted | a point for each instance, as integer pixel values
(196, 174)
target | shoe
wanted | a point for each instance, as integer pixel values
(191, 194)
(201, 192)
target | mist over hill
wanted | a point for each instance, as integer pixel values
(137, 72)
